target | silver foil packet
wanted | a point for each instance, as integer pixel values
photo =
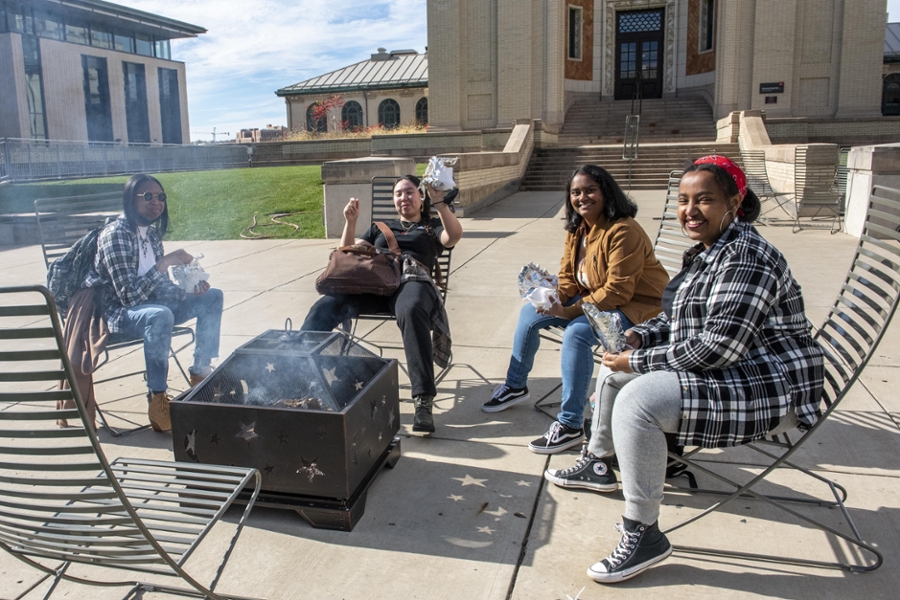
(607, 327)
(532, 276)
(439, 173)
(190, 275)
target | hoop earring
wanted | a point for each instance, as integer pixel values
(722, 222)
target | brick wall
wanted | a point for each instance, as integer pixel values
(582, 69)
(697, 62)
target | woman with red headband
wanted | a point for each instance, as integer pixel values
(727, 360)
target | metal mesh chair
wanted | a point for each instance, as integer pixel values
(63, 221)
(754, 166)
(825, 205)
(850, 336)
(63, 500)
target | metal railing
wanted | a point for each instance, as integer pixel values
(33, 160)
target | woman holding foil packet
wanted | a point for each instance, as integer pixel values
(729, 359)
(140, 301)
(416, 304)
(607, 261)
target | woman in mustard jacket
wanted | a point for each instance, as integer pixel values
(608, 261)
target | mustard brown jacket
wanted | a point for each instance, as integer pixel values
(622, 271)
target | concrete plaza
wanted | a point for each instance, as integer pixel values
(466, 514)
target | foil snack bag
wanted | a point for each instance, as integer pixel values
(439, 173)
(607, 327)
(537, 285)
(189, 276)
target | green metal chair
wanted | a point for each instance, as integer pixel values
(62, 500)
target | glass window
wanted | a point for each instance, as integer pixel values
(124, 41)
(162, 49)
(422, 111)
(707, 24)
(628, 60)
(48, 27)
(316, 119)
(77, 32)
(638, 21)
(3, 27)
(575, 27)
(34, 86)
(352, 115)
(96, 99)
(143, 44)
(170, 106)
(389, 114)
(101, 36)
(136, 103)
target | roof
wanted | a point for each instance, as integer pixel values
(115, 14)
(892, 43)
(384, 70)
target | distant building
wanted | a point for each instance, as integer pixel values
(391, 88)
(89, 70)
(254, 136)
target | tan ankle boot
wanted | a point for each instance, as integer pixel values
(158, 411)
(196, 378)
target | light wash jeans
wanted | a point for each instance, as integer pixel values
(154, 323)
(576, 358)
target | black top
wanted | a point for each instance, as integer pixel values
(416, 241)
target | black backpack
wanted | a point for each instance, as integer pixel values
(67, 273)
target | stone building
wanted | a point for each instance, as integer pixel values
(255, 135)
(390, 88)
(89, 70)
(495, 61)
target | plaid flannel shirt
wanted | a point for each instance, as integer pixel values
(739, 340)
(441, 342)
(115, 273)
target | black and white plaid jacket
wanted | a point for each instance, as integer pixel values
(115, 272)
(739, 340)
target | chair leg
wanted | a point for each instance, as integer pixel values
(56, 579)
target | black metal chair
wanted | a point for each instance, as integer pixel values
(63, 221)
(850, 335)
(64, 502)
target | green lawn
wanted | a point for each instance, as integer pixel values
(212, 205)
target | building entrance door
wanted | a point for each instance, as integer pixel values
(639, 54)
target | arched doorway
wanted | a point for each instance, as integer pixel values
(422, 111)
(319, 125)
(351, 115)
(890, 95)
(389, 114)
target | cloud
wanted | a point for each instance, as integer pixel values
(254, 47)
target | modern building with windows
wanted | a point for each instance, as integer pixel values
(88, 70)
(495, 61)
(391, 89)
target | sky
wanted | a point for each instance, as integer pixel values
(254, 47)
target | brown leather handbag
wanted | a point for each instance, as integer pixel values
(362, 269)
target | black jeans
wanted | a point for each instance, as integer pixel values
(412, 304)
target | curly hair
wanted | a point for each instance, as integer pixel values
(616, 204)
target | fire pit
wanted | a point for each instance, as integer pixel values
(315, 412)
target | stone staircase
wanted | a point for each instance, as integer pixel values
(590, 121)
(550, 168)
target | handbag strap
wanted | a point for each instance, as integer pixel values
(389, 237)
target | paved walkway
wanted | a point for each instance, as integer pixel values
(466, 514)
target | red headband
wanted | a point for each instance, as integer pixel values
(726, 163)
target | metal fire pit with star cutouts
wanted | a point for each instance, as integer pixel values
(315, 412)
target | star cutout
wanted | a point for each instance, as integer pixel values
(270, 367)
(391, 418)
(456, 498)
(268, 469)
(310, 468)
(523, 483)
(330, 377)
(214, 439)
(467, 480)
(282, 439)
(321, 431)
(486, 530)
(380, 435)
(247, 432)
(190, 444)
(374, 408)
(358, 385)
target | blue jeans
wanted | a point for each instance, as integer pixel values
(154, 322)
(576, 358)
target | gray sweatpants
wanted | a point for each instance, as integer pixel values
(635, 411)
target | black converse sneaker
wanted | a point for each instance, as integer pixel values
(504, 397)
(558, 438)
(589, 473)
(640, 547)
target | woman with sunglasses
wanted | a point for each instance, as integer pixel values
(416, 304)
(138, 299)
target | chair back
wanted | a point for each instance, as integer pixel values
(63, 221)
(813, 185)
(671, 243)
(54, 504)
(867, 300)
(383, 209)
(754, 166)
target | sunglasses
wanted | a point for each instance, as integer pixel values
(148, 196)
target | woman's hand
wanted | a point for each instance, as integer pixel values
(178, 257)
(555, 310)
(201, 288)
(436, 196)
(617, 362)
(351, 211)
(633, 339)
